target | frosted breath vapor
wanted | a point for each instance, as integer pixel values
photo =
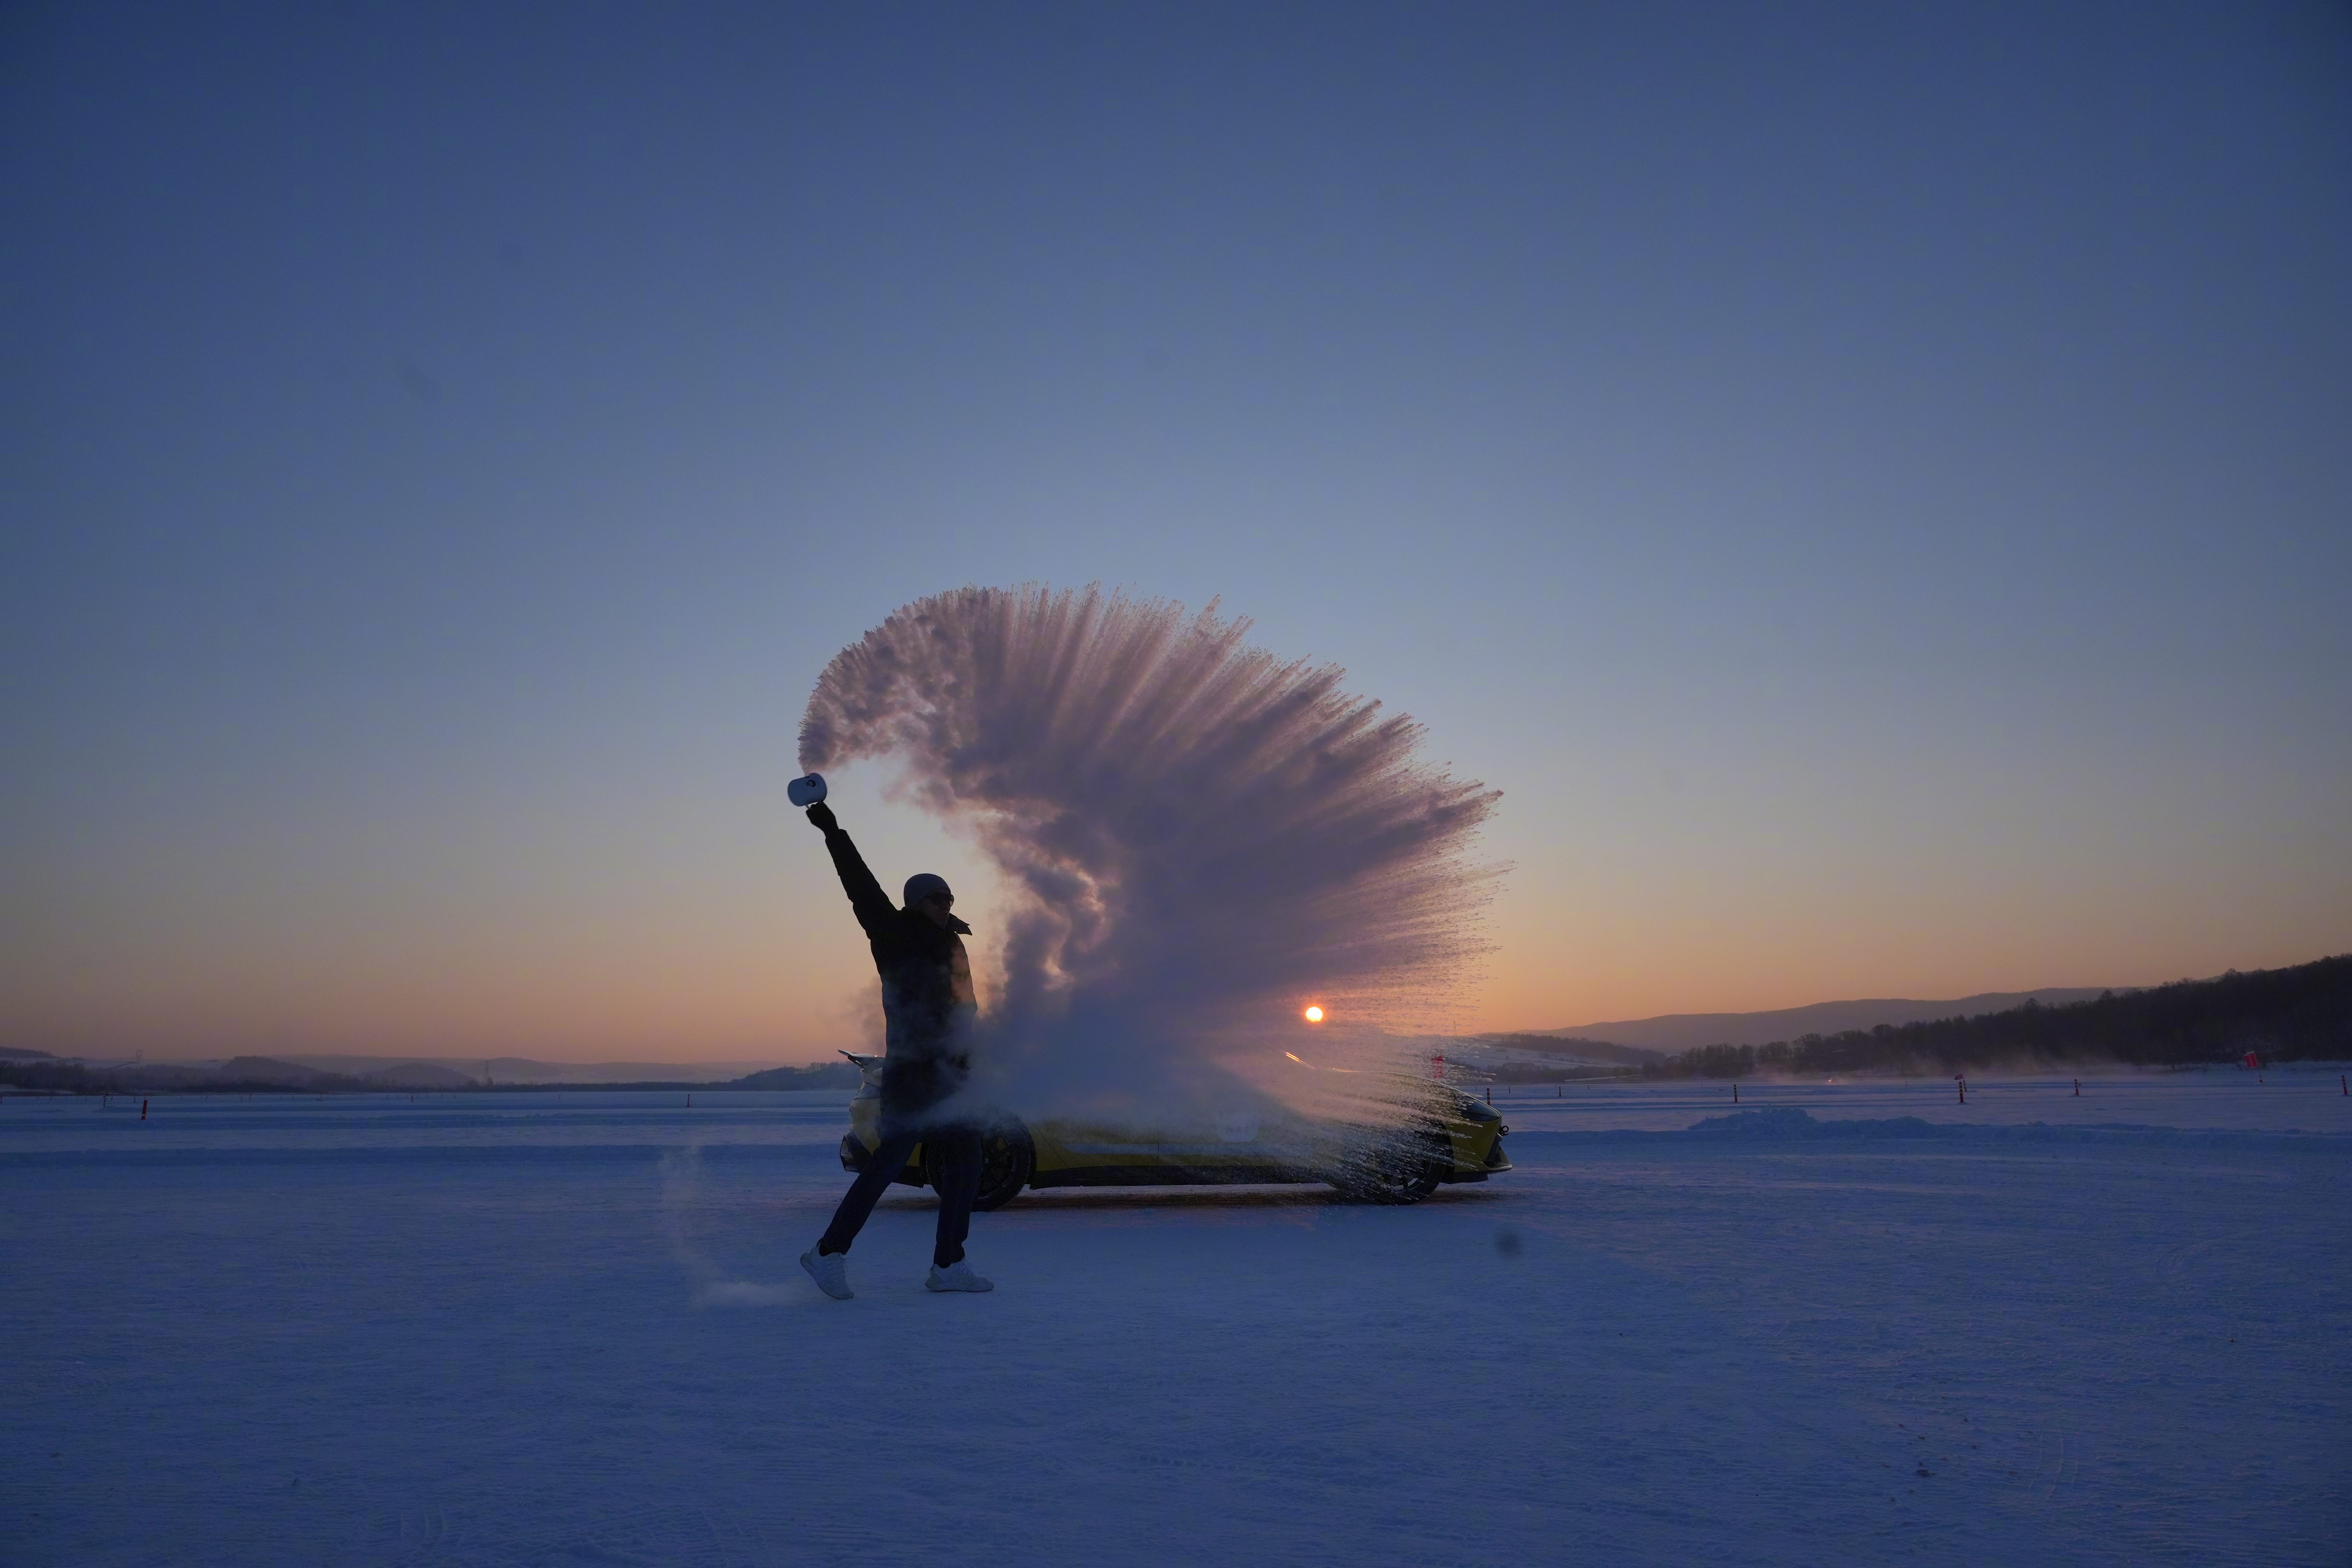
(1201, 838)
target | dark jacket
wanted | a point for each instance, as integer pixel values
(928, 1002)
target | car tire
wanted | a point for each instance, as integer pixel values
(1007, 1159)
(1395, 1171)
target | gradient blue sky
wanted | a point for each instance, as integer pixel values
(1870, 482)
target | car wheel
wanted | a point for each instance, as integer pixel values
(1007, 1159)
(1395, 1171)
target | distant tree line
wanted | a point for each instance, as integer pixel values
(2300, 1014)
(1539, 1072)
(1575, 1047)
(821, 1074)
(26, 1071)
(1574, 1060)
(74, 1077)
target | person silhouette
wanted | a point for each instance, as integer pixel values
(928, 1007)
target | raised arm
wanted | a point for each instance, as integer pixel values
(867, 899)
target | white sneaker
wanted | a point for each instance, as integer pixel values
(831, 1272)
(956, 1276)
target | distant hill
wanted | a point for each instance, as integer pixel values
(255, 1074)
(823, 1075)
(419, 1075)
(247, 1074)
(20, 1054)
(1681, 1031)
(507, 1072)
(2299, 1014)
(269, 1069)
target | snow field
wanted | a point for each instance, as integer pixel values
(568, 1328)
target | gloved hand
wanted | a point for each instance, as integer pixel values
(822, 814)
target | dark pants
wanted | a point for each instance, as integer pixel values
(953, 1155)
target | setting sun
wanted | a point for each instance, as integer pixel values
(1313, 1014)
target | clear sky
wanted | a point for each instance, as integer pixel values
(1871, 483)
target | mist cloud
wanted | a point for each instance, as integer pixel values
(1201, 838)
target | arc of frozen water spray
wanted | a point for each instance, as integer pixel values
(1200, 837)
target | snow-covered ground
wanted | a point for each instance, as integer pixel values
(568, 1328)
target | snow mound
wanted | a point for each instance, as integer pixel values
(1787, 1122)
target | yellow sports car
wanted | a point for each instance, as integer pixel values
(1430, 1135)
